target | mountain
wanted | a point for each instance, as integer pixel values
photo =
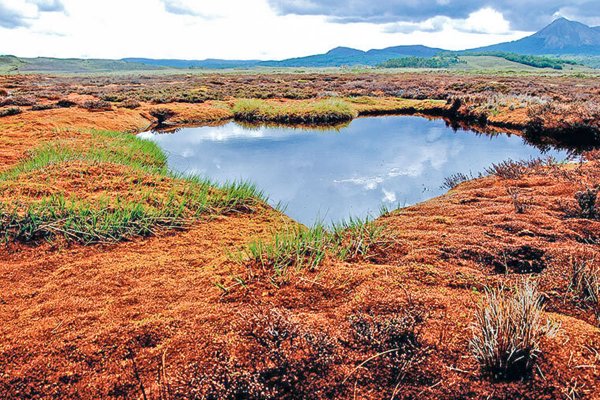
(340, 56)
(346, 56)
(13, 64)
(560, 37)
(210, 63)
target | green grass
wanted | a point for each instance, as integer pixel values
(115, 218)
(355, 238)
(297, 247)
(103, 147)
(303, 248)
(328, 111)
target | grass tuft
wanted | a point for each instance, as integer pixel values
(298, 248)
(354, 238)
(306, 248)
(585, 281)
(508, 331)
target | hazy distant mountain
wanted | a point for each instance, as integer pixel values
(560, 37)
(209, 63)
(340, 56)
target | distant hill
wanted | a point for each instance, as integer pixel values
(208, 64)
(340, 56)
(560, 37)
(69, 65)
(345, 56)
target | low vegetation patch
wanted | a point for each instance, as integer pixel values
(97, 105)
(277, 358)
(140, 211)
(328, 111)
(587, 202)
(508, 331)
(306, 248)
(7, 112)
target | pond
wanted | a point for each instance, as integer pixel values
(330, 175)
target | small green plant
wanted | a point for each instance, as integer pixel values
(355, 238)
(306, 248)
(298, 247)
(508, 331)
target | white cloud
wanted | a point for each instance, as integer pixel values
(233, 29)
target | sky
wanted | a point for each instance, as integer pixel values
(267, 29)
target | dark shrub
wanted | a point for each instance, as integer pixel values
(10, 111)
(41, 107)
(282, 359)
(523, 260)
(393, 340)
(18, 101)
(586, 200)
(162, 115)
(64, 103)
(97, 105)
(452, 181)
(130, 104)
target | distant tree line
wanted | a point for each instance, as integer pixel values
(421, 62)
(532, 61)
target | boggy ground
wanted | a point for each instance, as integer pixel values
(173, 313)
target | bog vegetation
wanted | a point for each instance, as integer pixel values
(140, 211)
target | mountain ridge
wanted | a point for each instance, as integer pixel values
(561, 37)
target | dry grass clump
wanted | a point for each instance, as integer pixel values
(508, 331)
(585, 281)
(511, 169)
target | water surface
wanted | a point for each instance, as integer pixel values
(354, 171)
